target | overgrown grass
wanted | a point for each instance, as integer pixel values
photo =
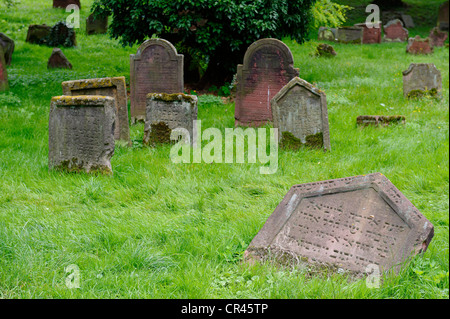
(161, 230)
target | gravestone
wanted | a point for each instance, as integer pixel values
(418, 45)
(347, 224)
(422, 79)
(300, 113)
(81, 134)
(268, 66)
(114, 87)
(61, 35)
(156, 68)
(437, 37)
(350, 35)
(7, 45)
(327, 34)
(64, 3)
(325, 50)
(166, 112)
(443, 17)
(395, 32)
(3, 75)
(370, 35)
(96, 25)
(377, 120)
(58, 60)
(38, 33)
(408, 21)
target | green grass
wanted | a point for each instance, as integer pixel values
(160, 230)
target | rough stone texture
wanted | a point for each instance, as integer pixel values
(58, 60)
(37, 33)
(418, 45)
(377, 120)
(97, 25)
(7, 45)
(443, 17)
(437, 37)
(408, 21)
(325, 50)
(421, 79)
(65, 3)
(327, 34)
(369, 35)
(301, 109)
(61, 35)
(81, 134)
(268, 66)
(3, 75)
(114, 87)
(156, 68)
(166, 112)
(395, 32)
(346, 223)
(348, 35)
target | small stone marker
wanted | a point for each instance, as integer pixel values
(327, 34)
(96, 25)
(422, 79)
(377, 120)
(268, 66)
(58, 60)
(347, 223)
(370, 35)
(81, 134)
(325, 50)
(166, 112)
(156, 68)
(3, 75)
(38, 33)
(437, 37)
(301, 116)
(348, 35)
(7, 45)
(114, 87)
(395, 32)
(64, 3)
(408, 21)
(443, 17)
(418, 45)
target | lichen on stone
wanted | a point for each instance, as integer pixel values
(289, 141)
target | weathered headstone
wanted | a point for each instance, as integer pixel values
(61, 35)
(58, 60)
(422, 79)
(96, 25)
(268, 66)
(348, 224)
(166, 112)
(395, 32)
(64, 3)
(350, 35)
(370, 35)
(300, 113)
(437, 37)
(377, 120)
(114, 87)
(3, 75)
(37, 33)
(81, 134)
(327, 34)
(408, 21)
(325, 50)
(156, 68)
(7, 45)
(418, 45)
(443, 17)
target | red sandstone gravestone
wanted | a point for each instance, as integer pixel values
(156, 68)
(58, 60)
(3, 75)
(370, 35)
(268, 66)
(419, 46)
(437, 37)
(347, 223)
(395, 32)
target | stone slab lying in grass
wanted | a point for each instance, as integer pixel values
(348, 224)
(422, 79)
(376, 120)
(81, 134)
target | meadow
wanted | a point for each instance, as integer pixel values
(161, 230)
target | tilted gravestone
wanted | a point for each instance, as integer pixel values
(114, 87)
(348, 224)
(38, 33)
(166, 112)
(418, 45)
(156, 68)
(7, 45)
(64, 3)
(395, 32)
(437, 37)
(350, 35)
(443, 17)
(81, 134)
(408, 21)
(327, 34)
(300, 113)
(3, 75)
(377, 120)
(370, 35)
(268, 66)
(96, 25)
(58, 60)
(422, 79)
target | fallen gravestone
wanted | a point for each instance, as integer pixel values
(351, 224)
(81, 134)
(408, 21)
(325, 50)
(3, 74)
(58, 60)
(37, 34)
(348, 35)
(370, 35)
(114, 87)
(166, 112)
(422, 79)
(300, 114)
(64, 3)
(437, 37)
(156, 68)
(96, 25)
(268, 66)
(418, 45)
(327, 34)
(395, 32)
(7, 45)
(377, 120)
(443, 17)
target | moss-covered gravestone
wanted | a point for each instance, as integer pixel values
(350, 35)
(7, 44)
(38, 33)
(3, 75)
(81, 133)
(422, 79)
(327, 34)
(300, 113)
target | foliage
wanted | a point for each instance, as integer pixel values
(9, 3)
(329, 14)
(60, 35)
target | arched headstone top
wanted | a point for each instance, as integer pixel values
(168, 47)
(267, 45)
